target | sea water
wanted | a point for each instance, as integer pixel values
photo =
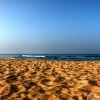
(73, 57)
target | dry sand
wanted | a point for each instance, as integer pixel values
(49, 80)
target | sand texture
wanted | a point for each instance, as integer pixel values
(49, 80)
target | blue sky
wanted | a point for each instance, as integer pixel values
(50, 26)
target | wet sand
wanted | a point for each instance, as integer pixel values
(49, 80)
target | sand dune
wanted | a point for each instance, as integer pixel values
(49, 80)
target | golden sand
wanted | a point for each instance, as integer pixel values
(49, 80)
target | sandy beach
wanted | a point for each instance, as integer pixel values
(49, 80)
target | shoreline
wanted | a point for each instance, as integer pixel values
(49, 60)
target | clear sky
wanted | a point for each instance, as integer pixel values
(50, 26)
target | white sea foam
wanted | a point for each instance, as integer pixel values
(33, 56)
(39, 56)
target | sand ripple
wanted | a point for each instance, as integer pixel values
(49, 80)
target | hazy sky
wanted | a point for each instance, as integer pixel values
(50, 26)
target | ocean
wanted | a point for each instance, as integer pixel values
(66, 57)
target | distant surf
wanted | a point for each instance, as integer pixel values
(33, 56)
(69, 57)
